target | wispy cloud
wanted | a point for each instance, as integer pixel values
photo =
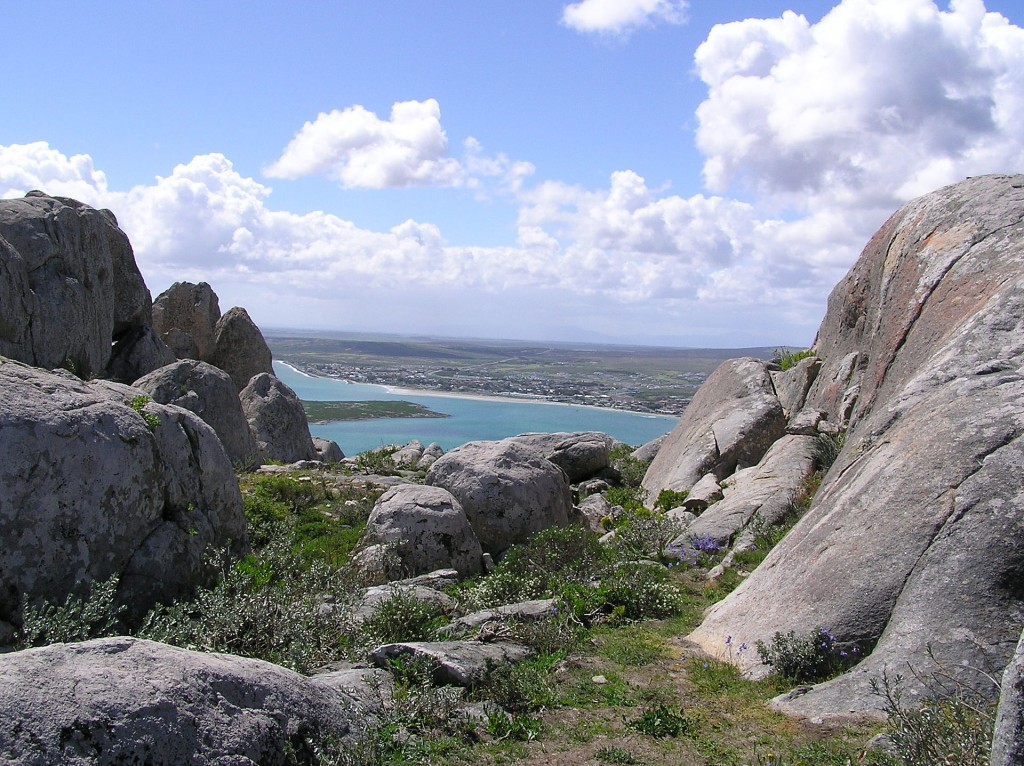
(621, 17)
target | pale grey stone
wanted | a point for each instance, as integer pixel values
(185, 317)
(911, 547)
(239, 348)
(277, 420)
(89, 489)
(69, 285)
(792, 385)
(1008, 738)
(123, 700)
(732, 421)
(507, 490)
(463, 663)
(427, 530)
(209, 393)
(328, 450)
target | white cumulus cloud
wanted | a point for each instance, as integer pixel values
(621, 17)
(358, 149)
(880, 101)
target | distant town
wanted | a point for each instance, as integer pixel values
(640, 379)
(601, 389)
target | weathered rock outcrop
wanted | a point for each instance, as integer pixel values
(185, 317)
(239, 348)
(1008, 738)
(581, 455)
(277, 420)
(508, 491)
(913, 540)
(763, 492)
(327, 450)
(732, 421)
(89, 489)
(69, 285)
(427, 529)
(124, 700)
(209, 393)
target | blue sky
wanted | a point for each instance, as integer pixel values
(650, 171)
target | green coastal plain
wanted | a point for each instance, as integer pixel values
(324, 412)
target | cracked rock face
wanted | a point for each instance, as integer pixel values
(89, 489)
(732, 421)
(913, 540)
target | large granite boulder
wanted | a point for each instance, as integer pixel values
(209, 393)
(277, 420)
(733, 419)
(93, 484)
(508, 491)
(911, 550)
(239, 348)
(581, 455)
(428, 531)
(185, 317)
(119, 701)
(69, 285)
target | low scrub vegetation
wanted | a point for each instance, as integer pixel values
(607, 664)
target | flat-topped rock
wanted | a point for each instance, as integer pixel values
(463, 663)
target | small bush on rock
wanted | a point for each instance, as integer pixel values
(402, 617)
(670, 498)
(79, 618)
(812, 657)
(789, 359)
(631, 470)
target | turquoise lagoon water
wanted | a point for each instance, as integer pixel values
(470, 419)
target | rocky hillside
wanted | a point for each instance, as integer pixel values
(910, 551)
(100, 478)
(909, 410)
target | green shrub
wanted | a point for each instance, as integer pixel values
(631, 470)
(670, 498)
(616, 755)
(521, 687)
(402, 617)
(789, 359)
(637, 591)
(661, 721)
(79, 618)
(552, 561)
(631, 499)
(378, 461)
(138, 404)
(268, 606)
(812, 657)
(828, 448)
(647, 534)
(953, 727)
